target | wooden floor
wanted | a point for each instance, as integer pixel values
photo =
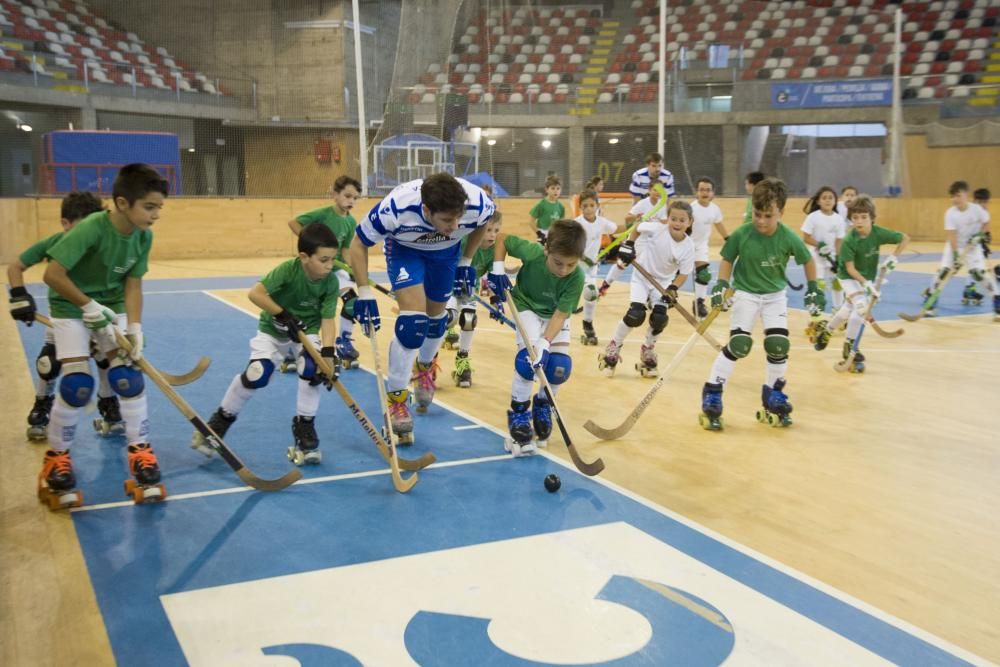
(885, 488)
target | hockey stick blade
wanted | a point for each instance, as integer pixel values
(882, 332)
(913, 318)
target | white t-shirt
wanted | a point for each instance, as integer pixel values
(662, 256)
(966, 223)
(595, 230)
(704, 218)
(824, 228)
(641, 208)
(400, 216)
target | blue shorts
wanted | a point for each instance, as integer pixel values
(434, 269)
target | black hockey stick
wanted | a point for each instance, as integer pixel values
(589, 469)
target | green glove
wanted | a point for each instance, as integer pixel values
(718, 291)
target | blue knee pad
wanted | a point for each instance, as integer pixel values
(257, 373)
(411, 330)
(126, 381)
(437, 326)
(77, 384)
(558, 368)
(306, 367)
(522, 364)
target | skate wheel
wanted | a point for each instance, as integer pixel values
(37, 436)
(58, 502)
(145, 494)
(542, 444)
(709, 423)
(421, 409)
(129, 486)
(295, 456)
(404, 439)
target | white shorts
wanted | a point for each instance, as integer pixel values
(772, 309)
(644, 292)
(856, 293)
(701, 252)
(535, 325)
(973, 259)
(72, 338)
(266, 346)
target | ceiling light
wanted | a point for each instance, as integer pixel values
(491, 142)
(546, 143)
(613, 140)
(24, 127)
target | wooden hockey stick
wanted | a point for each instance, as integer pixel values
(630, 421)
(366, 424)
(213, 440)
(616, 241)
(402, 485)
(589, 469)
(845, 364)
(677, 306)
(878, 329)
(175, 380)
(939, 285)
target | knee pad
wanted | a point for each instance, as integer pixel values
(257, 373)
(411, 330)
(837, 287)
(437, 326)
(46, 364)
(703, 275)
(452, 317)
(77, 384)
(348, 298)
(590, 292)
(635, 315)
(996, 271)
(658, 319)
(522, 364)
(305, 366)
(125, 380)
(977, 275)
(558, 367)
(467, 320)
(776, 345)
(821, 284)
(740, 343)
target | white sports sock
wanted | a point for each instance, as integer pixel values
(62, 424)
(651, 338)
(400, 366)
(613, 273)
(429, 349)
(621, 332)
(44, 388)
(465, 340)
(722, 368)
(700, 291)
(346, 325)
(103, 386)
(236, 396)
(589, 308)
(307, 401)
(520, 389)
(845, 311)
(854, 325)
(136, 416)
(775, 372)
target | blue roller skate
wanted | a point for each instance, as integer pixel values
(711, 407)
(520, 442)
(541, 418)
(776, 406)
(971, 296)
(346, 351)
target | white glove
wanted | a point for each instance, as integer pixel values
(825, 251)
(541, 352)
(134, 335)
(870, 290)
(889, 264)
(99, 319)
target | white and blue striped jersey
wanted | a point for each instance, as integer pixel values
(400, 216)
(641, 182)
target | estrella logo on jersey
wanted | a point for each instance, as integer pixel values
(128, 265)
(771, 262)
(433, 237)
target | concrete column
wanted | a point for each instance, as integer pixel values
(85, 118)
(732, 178)
(577, 155)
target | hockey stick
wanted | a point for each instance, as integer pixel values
(677, 306)
(589, 469)
(366, 424)
(878, 329)
(402, 485)
(942, 281)
(175, 380)
(630, 421)
(213, 440)
(495, 312)
(845, 364)
(616, 241)
(791, 285)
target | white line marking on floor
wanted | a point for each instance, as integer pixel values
(465, 428)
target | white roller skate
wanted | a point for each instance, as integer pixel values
(647, 362)
(608, 361)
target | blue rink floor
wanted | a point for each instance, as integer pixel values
(478, 564)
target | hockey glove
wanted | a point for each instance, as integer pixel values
(827, 253)
(541, 236)
(288, 324)
(987, 240)
(889, 264)
(956, 260)
(626, 253)
(366, 310)
(498, 281)
(135, 339)
(671, 298)
(718, 294)
(99, 319)
(330, 355)
(541, 353)
(22, 305)
(465, 280)
(496, 312)
(815, 298)
(870, 290)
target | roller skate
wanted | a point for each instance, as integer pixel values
(858, 363)
(520, 442)
(57, 483)
(996, 307)
(219, 422)
(425, 384)
(971, 296)
(290, 364)
(711, 407)
(463, 370)
(700, 309)
(345, 350)
(816, 326)
(451, 338)
(142, 464)
(609, 359)
(647, 362)
(821, 336)
(306, 447)
(38, 418)
(400, 417)
(776, 408)
(589, 336)
(541, 419)
(110, 422)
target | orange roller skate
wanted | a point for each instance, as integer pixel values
(57, 483)
(143, 466)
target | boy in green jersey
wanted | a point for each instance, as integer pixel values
(763, 249)
(299, 294)
(547, 210)
(338, 218)
(75, 207)
(95, 286)
(549, 285)
(462, 311)
(859, 265)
